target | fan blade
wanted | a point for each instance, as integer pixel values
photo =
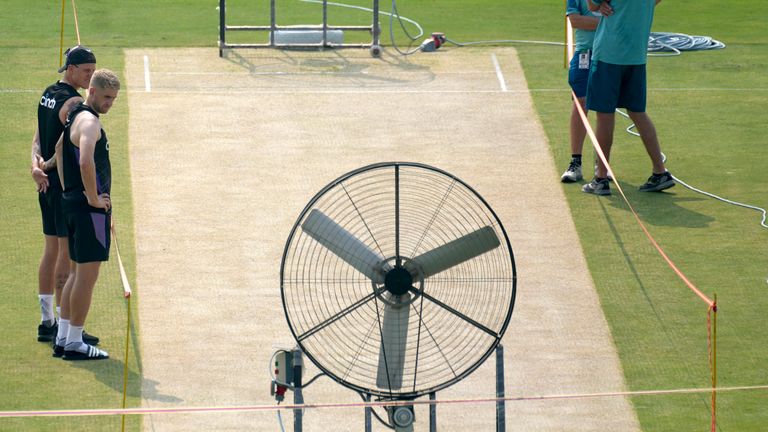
(344, 245)
(455, 252)
(394, 336)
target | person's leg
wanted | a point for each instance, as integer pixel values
(85, 278)
(604, 134)
(63, 268)
(647, 132)
(82, 291)
(63, 330)
(45, 273)
(47, 329)
(578, 131)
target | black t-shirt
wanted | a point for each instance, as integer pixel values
(49, 125)
(73, 181)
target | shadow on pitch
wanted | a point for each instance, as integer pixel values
(660, 208)
(110, 373)
(332, 62)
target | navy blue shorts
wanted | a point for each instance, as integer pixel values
(50, 209)
(88, 229)
(578, 78)
(616, 86)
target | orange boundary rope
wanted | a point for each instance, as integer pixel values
(711, 304)
(223, 409)
(127, 295)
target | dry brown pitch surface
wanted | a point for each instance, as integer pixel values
(226, 152)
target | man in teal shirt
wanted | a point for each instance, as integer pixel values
(585, 23)
(618, 80)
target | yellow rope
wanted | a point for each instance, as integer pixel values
(61, 38)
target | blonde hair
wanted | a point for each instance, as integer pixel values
(105, 78)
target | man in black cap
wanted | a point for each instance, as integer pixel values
(54, 105)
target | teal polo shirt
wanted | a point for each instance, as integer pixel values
(622, 38)
(584, 38)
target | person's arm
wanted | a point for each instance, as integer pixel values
(59, 156)
(38, 174)
(67, 107)
(584, 22)
(89, 130)
(602, 6)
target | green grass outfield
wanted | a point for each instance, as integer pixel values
(710, 109)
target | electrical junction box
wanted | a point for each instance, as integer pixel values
(284, 367)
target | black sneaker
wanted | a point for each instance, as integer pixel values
(572, 174)
(658, 182)
(58, 350)
(597, 186)
(90, 339)
(91, 353)
(47, 333)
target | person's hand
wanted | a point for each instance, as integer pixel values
(605, 8)
(40, 178)
(101, 201)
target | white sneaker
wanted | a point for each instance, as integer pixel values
(572, 174)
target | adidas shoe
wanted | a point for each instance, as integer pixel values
(47, 333)
(85, 352)
(597, 186)
(572, 174)
(658, 182)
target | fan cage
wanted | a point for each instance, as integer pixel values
(332, 310)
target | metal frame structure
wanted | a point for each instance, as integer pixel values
(374, 29)
(501, 422)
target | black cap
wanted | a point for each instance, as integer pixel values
(78, 55)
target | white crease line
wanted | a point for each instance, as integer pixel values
(499, 75)
(147, 85)
(329, 92)
(329, 73)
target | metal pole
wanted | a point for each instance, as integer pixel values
(272, 23)
(375, 26)
(325, 23)
(222, 26)
(368, 414)
(501, 425)
(298, 398)
(432, 413)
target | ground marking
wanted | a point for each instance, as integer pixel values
(147, 85)
(499, 75)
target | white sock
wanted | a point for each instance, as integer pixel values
(46, 308)
(61, 336)
(58, 311)
(74, 337)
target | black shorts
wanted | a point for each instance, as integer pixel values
(614, 86)
(50, 209)
(88, 229)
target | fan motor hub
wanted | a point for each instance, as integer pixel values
(398, 281)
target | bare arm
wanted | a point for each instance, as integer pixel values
(603, 6)
(38, 174)
(583, 22)
(59, 157)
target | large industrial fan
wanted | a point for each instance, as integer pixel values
(398, 280)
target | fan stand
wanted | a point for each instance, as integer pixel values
(298, 397)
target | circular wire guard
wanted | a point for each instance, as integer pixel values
(352, 326)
